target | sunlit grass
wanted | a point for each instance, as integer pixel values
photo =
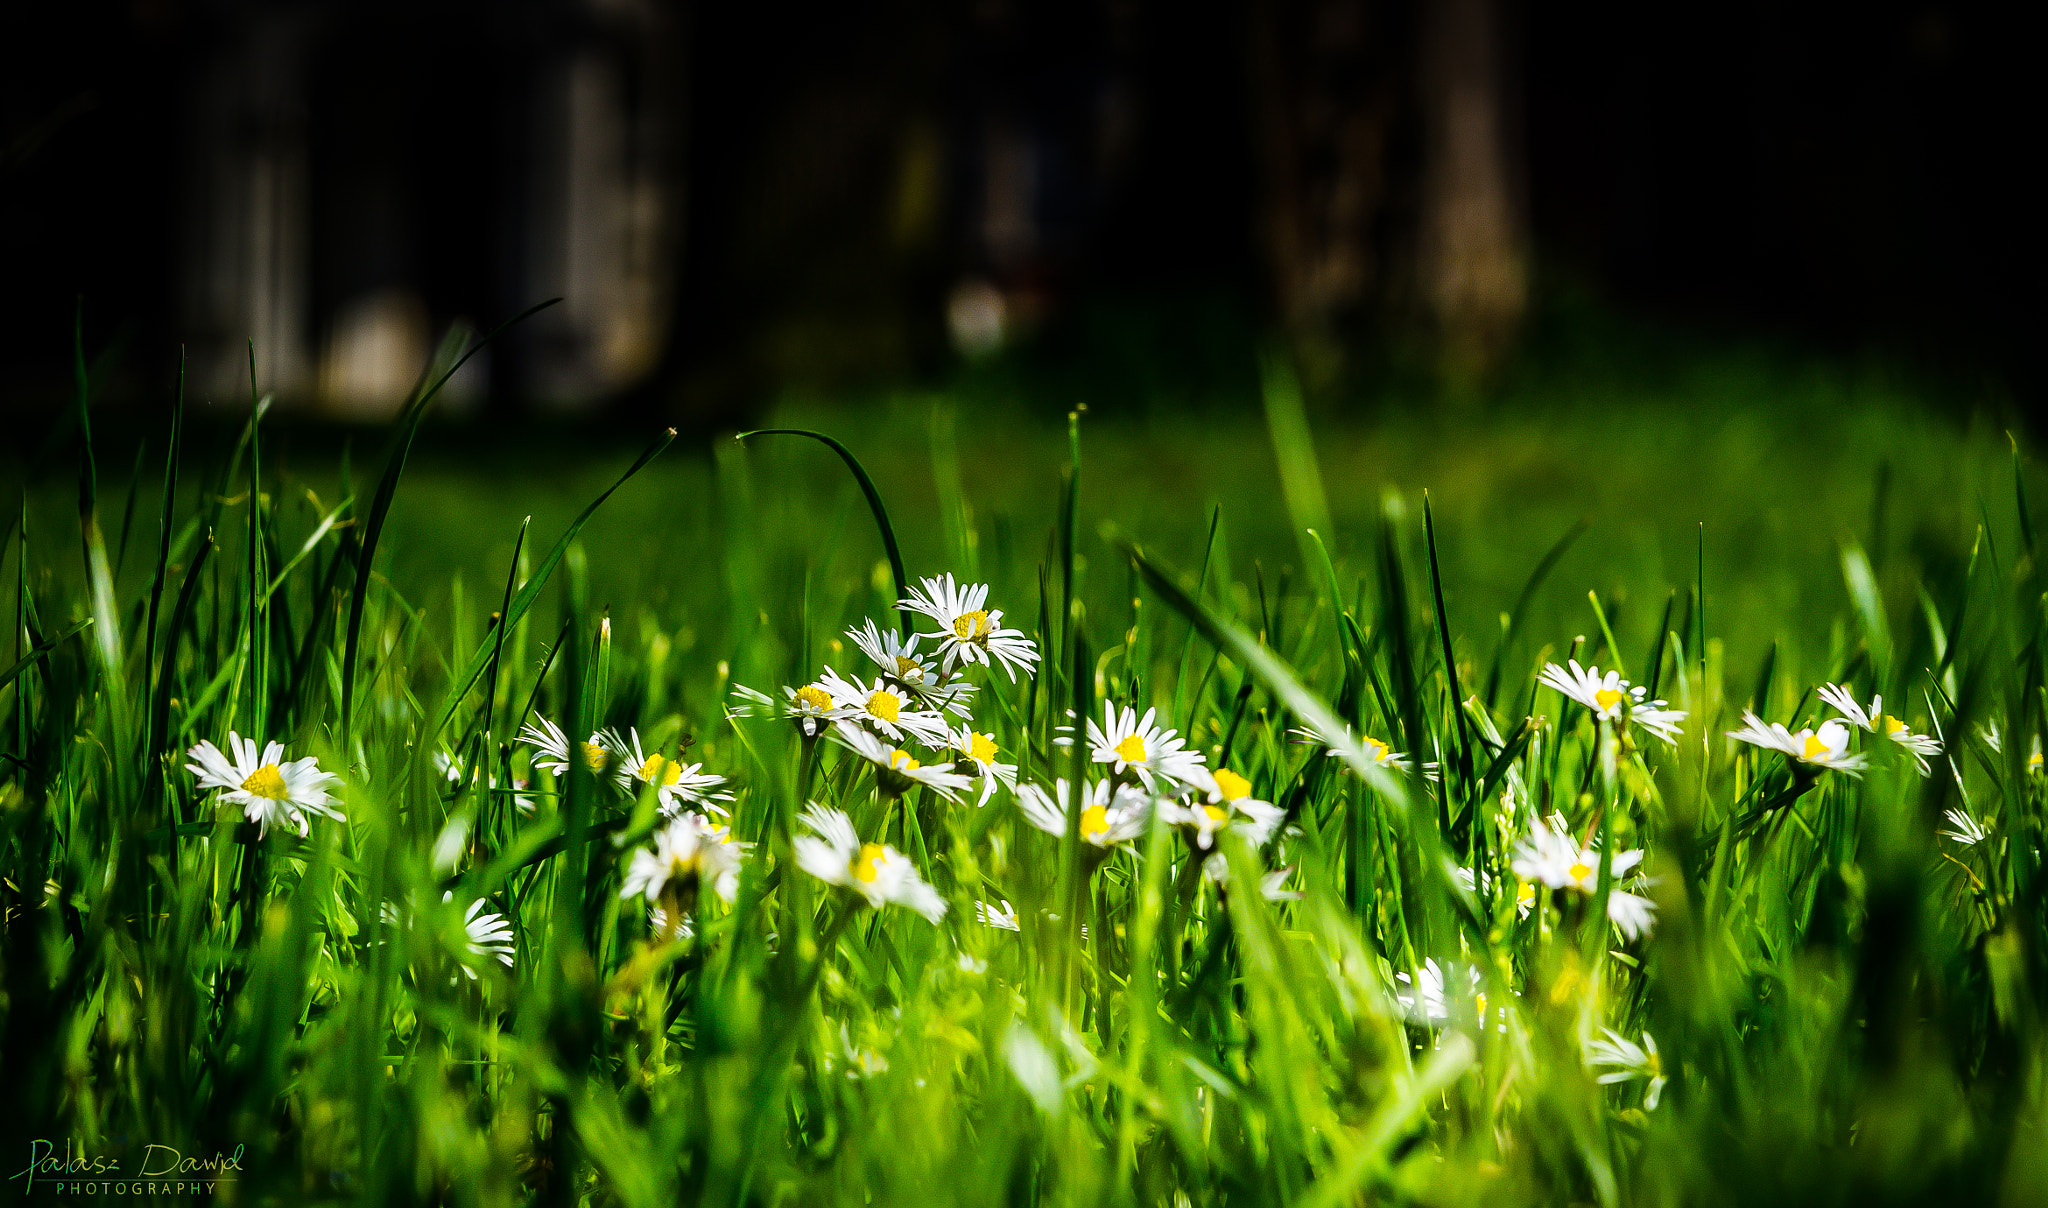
(1834, 999)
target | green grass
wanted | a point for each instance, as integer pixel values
(1844, 1003)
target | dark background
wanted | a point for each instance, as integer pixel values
(1841, 177)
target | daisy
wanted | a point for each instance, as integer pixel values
(1612, 698)
(1427, 1002)
(978, 754)
(1876, 721)
(676, 783)
(810, 707)
(1127, 741)
(917, 674)
(1826, 747)
(1628, 1061)
(1111, 814)
(876, 871)
(896, 770)
(973, 634)
(1375, 750)
(489, 935)
(1002, 918)
(485, 935)
(657, 924)
(1230, 803)
(1549, 857)
(1964, 829)
(551, 747)
(1273, 886)
(690, 851)
(884, 707)
(266, 787)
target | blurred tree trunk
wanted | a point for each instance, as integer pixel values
(1391, 189)
(1327, 86)
(1472, 260)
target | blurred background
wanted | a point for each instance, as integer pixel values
(1116, 201)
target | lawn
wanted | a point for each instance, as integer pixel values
(1363, 902)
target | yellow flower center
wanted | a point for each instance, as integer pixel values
(1232, 785)
(981, 747)
(2034, 762)
(885, 705)
(868, 864)
(1814, 747)
(1217, 814)
(1094, 821)
(266, 781)
(1607, 698)
(908, 670)
(1579, 870)
(594, 756)
(1131, 749)
(1525, 895)
(902, 762)
(658, 770)
(1482, 1003)
(1891, 725)
(815, 697)
(1375, 750)
(971, 626)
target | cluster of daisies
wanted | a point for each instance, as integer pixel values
(909, 720)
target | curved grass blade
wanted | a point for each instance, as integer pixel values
(867, 487)
(387, 486)
(39, 650)
(150, 674)
(523, 601)
(1544, 566)
(1443, 630)
(1281, 682)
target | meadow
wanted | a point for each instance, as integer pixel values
(621, 845)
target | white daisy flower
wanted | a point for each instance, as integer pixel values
(658, 925)
(490, 936)
(810, 707)
(978, 752)
(876, 871)
(1612, 698)
(676, 783)
(1229, 803)
(884, 707)
(1877, 721)
(919, 675)
(1631, 913)
(1826, 747)
(1110, 815)
(1002, 918)
(690, 851)
(1380, 753)
(1429, 1002)
(896, 770)
(1549, 857)
(1127, 741)
(266, 787)
(1963, 828)
(972, 633)
(1273, 886)
(551, 747)
(1626, 1061)
(485, 936)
